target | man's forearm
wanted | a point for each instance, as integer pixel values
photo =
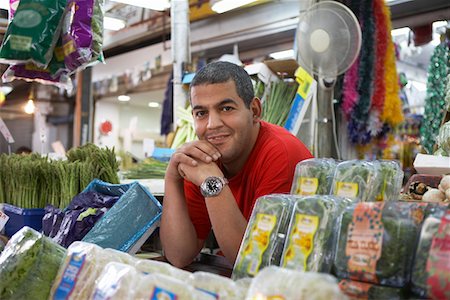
(178, 236)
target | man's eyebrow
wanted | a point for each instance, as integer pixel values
(221, 103)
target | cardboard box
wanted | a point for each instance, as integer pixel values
(432, 164)
(262, 71)
(283, 67)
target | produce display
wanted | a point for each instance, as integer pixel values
(277, 104)
(357, 179)
(311, 236)
(148, 168)
(278, 283)
(369, 291)
(217, 286)
(391, 180)
(313, 177)
(114, 282)
(28, 266)
(264, 236)
(439, 194)
(376, 243)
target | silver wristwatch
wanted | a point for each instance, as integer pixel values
(212, 186)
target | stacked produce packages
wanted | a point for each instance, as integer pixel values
(277, 283)
(357, 180)
(431, 269)
(311, 237)
(28, 266)
(264, 237)
(376, 243)
(313, 177)
(217, 286)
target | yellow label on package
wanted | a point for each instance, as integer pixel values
(304, 81)
(346, 189)
(307, 186)
(301, 241)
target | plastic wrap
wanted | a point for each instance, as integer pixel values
(153, 266)
(28, 265)
(311, 237)
(115, 282)
(420, 273)
(443, 138)
(391, 178)
(313, 177)
(376, 243)
(215, 285)
(356, 290)
(82, 265)
(264, 236)
(133, 218)
(33, 32)
(357, 180)
(289, 284)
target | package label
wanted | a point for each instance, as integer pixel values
(160, 293)
(438, 263)
(301, 240)
(355, 290)
(346, 189)
(307, 186)
(364, 241)
(70, 276)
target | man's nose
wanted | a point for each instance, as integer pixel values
(214, 120)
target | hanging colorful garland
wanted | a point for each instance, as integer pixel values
(435, 99)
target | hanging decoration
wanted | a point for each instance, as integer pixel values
(435, 99)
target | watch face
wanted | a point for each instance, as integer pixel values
(212, 186)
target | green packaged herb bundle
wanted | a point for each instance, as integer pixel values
(313, 177)
(391, 180)
(356, 179)
(264, 237)
(376, 243)
(28, 266)
(311, 236)
(33, 32)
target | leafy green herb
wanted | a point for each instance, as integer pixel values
(313, 177)
(391, 179)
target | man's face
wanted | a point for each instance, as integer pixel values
(221, 118)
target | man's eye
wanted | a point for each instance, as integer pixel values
(200, 114)
(227, 108)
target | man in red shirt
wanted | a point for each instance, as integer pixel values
(215, 181)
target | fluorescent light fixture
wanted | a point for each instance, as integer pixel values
(29, 108)
(153, 104)
(400, 31)
(220, 6)
(282, 54)
(113, 23)
(124, 98)
(160, 5)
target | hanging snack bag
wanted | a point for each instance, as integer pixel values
(28, 265)
(33, 32)
(391, 178)
(431, 269)
(376, 243)
(264, 235)
(313, 177)
(278, 283)
(311, 236)
(357, 180)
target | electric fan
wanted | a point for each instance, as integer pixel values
(328, 42)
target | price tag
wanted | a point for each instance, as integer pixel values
(3, 219)
(304, 81)
(5, 132)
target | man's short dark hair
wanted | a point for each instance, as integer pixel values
(220, 72)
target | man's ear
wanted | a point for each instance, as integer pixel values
(255, 107)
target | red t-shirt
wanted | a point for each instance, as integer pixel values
(269, 169)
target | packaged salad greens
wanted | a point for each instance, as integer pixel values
(376, 243)
(33, 32)
(264, 237)
(362, 290)
(357, 180)
(215, 285)
(430, 272)
(391, 180)
(313, 177)
(28, 265)
(311, 236)
(278, 283)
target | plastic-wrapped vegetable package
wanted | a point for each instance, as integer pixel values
(215, 285)
(153, 266)
(430, 268)
(282, 283)
(391, 180)
(82, 265)
(28, 265)
(311, 236)
(33, 32)
(264, 235)
(376, 243)
(363, 290)
(313, 177)
(114, 282)
(357, 180)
